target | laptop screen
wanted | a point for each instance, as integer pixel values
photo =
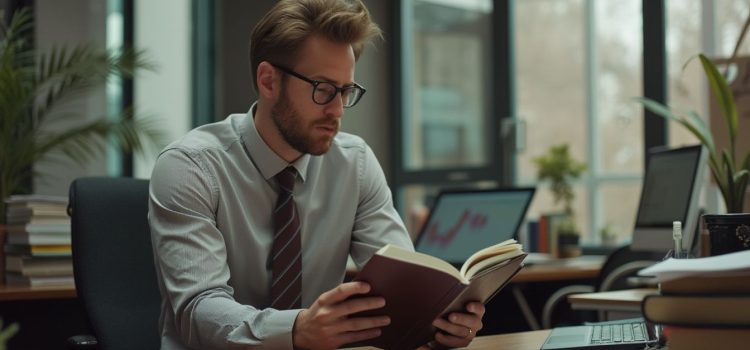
(463, 222)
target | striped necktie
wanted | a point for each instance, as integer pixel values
(286, 257)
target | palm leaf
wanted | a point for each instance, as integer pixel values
(35, 88)
(84, 142)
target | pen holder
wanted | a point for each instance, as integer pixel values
(727, 232)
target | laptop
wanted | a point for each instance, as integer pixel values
(632, 333)
(461, 222)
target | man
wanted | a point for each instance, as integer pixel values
(252, 218)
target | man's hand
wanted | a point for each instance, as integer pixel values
(326, 324)
(460, 328)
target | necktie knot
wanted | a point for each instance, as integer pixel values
(285, 179)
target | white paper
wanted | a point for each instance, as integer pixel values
(732, 264)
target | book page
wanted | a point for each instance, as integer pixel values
(497, 249)
(417, 258)
(497, 260)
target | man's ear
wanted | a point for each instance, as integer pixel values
(267, 80)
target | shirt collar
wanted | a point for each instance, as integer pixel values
(263, 156)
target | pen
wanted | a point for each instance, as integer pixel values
(677, 236)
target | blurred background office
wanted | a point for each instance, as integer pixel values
(461, 93)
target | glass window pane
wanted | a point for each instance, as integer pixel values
(619, 208)
(686, 83)
(550, 62)
(446, 47)
(618, 38)
(730, 17)
(551, 93)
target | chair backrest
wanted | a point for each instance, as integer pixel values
(621, 264)
(113, 261)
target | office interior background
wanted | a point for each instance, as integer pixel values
(460, 93)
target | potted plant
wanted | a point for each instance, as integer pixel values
(34, 86)
(729, 169)
(559, 168)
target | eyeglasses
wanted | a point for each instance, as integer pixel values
(324, 92)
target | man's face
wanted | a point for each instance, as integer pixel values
(306, 126)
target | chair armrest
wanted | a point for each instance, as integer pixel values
(82, 342)
(555, 299)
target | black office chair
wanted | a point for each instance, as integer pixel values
(619, 266)
(113, 263)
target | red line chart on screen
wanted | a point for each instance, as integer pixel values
(468, 221)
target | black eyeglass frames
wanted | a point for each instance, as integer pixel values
(324, 92)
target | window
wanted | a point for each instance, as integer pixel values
(574, 67)
(448, 132)
(575, 78)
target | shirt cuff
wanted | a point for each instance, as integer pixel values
(282, 319)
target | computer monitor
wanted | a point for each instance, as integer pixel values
(671, 188)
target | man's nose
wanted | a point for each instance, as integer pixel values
(335, 108)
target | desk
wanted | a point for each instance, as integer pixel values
(555, 272)
(619, 300)
(572, 269)
(14, 293)
(515, 341)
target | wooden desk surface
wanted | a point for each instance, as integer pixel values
(515, 341)
(512, 341)
(618, 300)
(553, 272)
(12, 293)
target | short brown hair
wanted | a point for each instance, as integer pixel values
(280, 33)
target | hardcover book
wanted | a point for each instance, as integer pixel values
(681, 338)
(730, 311)
(419, 288)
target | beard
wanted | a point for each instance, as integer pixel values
(300, 135)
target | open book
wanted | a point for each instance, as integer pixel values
(418, 288)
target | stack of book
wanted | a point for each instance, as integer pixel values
(37, 250)
(703, 303)
(542, 236)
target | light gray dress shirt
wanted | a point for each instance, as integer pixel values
(211, 197)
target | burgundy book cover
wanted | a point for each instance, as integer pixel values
(416, 295)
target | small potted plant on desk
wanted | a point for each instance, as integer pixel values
(559, 168)
(727, 232)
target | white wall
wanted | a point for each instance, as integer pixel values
(163, 29)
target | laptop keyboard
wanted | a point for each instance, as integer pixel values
(618, 333)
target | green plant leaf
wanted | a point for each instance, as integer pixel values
(730, 194)
(728, 176)
(724, 97)
(701, 128)
(38, 93)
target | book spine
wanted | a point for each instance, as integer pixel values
(543, 234)
(533, 234)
